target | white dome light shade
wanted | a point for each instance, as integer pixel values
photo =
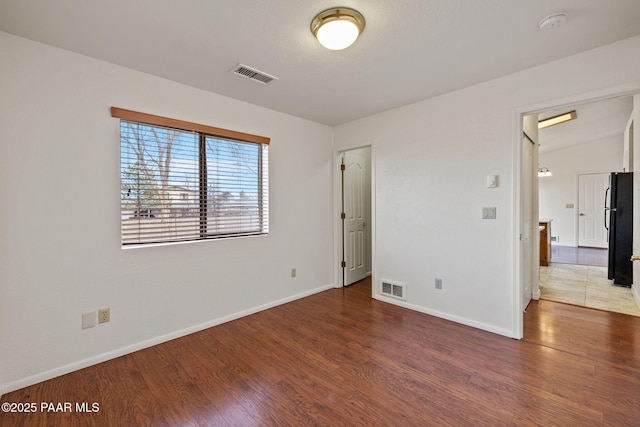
(337, 28)
(337, 35)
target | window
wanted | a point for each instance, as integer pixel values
(181, 181)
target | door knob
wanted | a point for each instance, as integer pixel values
(581, 214)
(635, 257)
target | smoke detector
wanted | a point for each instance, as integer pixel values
(552, 22)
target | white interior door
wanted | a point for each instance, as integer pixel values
(527, 220)
(591, 217)
(354, 208)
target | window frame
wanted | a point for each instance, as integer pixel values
(203, 131)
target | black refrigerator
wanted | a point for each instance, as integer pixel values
(620, 228)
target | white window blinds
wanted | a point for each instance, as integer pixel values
(180, 185)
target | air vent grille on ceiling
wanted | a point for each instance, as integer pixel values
(253, 74)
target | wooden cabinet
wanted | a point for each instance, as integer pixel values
(545, 242)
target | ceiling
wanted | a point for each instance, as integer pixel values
(410, 50)
(594, 121)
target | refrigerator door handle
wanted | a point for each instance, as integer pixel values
(606, 194)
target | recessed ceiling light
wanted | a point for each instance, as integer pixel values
(556, 120)
(337, 28)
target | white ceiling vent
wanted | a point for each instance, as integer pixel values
(395, 290)
(253, 74)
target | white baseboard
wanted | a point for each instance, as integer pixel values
(536, 294)
(635, 290)
(446, 316)
(81, 364)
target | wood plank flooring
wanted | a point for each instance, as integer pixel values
(340, 358)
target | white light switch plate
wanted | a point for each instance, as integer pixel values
(88, 320)
(488, 213)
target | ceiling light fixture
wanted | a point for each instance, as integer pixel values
(556, 120)
(337, 28)
(544, 172)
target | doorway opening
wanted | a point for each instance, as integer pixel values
(581, 156)
(355, 215)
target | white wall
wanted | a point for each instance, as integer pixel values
(603, 155)
(431, 161)
(60, 252)
(628, 156)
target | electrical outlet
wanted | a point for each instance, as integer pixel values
(438, 283)
(293, 272)
(104, 315)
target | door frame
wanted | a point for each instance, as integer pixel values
(518, 129)
(534, 238)
(338, 276)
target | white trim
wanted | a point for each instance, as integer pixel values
(536, 295)
(516, 267)
(635, 290)
(81, 364)
(374, 228)
(446, 316)
(337, 226)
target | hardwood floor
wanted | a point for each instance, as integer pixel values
(340, 358)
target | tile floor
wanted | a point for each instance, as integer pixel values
(587, 286)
